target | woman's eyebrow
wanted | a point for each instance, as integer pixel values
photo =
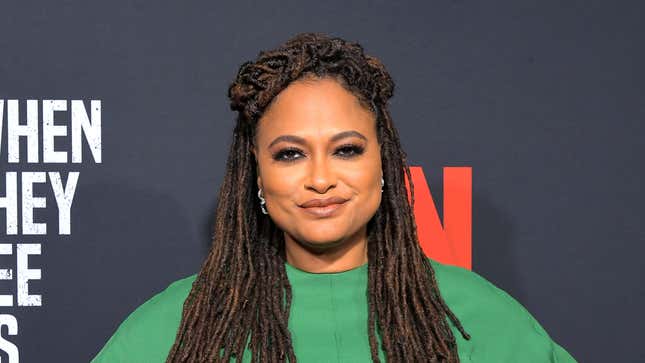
(299, 140)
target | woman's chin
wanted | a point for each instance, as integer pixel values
(322, 241)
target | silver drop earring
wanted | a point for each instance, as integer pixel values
(382, 184)
(262, 202)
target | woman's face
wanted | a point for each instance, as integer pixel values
(316, 141)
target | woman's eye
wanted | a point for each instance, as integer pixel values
(348, 151)
(286, 155)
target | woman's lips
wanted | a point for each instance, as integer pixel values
(323, 202)
(326, 211)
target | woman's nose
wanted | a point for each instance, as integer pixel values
(322, 176)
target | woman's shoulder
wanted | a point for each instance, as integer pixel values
(147, 334)
(460, 285)
(501, 328)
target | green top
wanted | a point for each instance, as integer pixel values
(328, 321)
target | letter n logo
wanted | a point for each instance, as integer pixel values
(450, 243)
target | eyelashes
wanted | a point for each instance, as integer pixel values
(289, 154)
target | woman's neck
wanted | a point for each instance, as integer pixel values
(337, 257)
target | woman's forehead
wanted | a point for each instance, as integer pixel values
(315, 109)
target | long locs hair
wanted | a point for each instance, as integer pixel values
(241, 294)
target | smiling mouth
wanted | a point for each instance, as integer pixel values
(326, 211)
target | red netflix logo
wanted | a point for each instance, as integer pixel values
(452, 242)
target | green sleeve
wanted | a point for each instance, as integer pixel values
(501, 329)
(148, 333)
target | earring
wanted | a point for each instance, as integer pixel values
(382, 184)
(262, 202)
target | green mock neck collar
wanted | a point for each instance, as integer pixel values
(294, 271)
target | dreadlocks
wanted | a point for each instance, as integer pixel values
(241, 293)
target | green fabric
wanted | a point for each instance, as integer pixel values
(328, 321)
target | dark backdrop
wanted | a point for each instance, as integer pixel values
(543, 99)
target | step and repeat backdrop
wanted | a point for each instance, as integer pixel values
(115, 126)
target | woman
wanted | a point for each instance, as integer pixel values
(315, 255)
